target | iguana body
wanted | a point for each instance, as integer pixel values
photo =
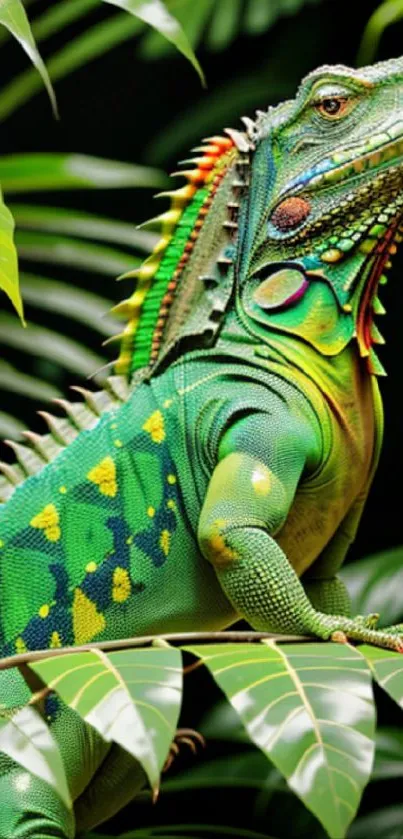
(230, 478)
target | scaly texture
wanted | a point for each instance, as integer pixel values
(229, 478)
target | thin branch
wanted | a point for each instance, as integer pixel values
(180, 638)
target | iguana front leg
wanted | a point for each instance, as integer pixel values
(325, 589)
(246, 504)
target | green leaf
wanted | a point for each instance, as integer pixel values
(387, 670)
(55, 171)
(131, 698)
(51, 345)
(32, 388)
(57, 17)
(74, 303)
(156, 14)
(193, 17)
(10, 426)
(389, 754)
(48, 247)
(26, 738)
(14, 18)
(224, 24)
(246, 770)
(187, 831)
(387, 13)
(386, 823)
(85, 225)
(89, 45)
(9, 261)
(372, 584)
(310, 709)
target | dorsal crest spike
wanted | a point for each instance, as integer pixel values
(239, 138)
(159, 287)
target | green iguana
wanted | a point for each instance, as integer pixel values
(224, 470)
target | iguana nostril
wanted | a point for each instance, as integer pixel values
(290, 213)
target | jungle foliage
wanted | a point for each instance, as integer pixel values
(273, 708)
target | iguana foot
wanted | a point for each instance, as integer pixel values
(184, 736)
(343, 629)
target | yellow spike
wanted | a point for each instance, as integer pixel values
(123, 309)
(180, 197)
(114, 339)
(376, 335)
(130, 275)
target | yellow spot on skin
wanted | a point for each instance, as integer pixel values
(118, 444)
(168, 403)
(1, 543)
(44, 611)
(122, 586)
(55, 641)
(171, 504)
(151, 512)
(104, 476)
(87, 621)
(129, 541)
(114, 425)
(222, 554)
(171, 479)
(155, 427)
(91, 567)
(20, 646)
(63, 490)
(165, 541)
(48, 521)
(261, 481)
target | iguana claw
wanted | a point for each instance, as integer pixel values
(184, 736)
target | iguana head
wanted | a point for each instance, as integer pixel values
(323, 209)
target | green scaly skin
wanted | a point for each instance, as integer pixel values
(232, 479)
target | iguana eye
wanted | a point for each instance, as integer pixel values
(334, 107)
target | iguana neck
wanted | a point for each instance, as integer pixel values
(289, 356)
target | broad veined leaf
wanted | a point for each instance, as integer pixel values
(85, 225)
(310, 708)
(131, 698)
(54, 171)
(372, 585)
(156, 14)
(26, 738)
(14, 18)
(87, 256)
(8, 258)
(76, 304)
(387, 670)
(388, 754)
(51, 345)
